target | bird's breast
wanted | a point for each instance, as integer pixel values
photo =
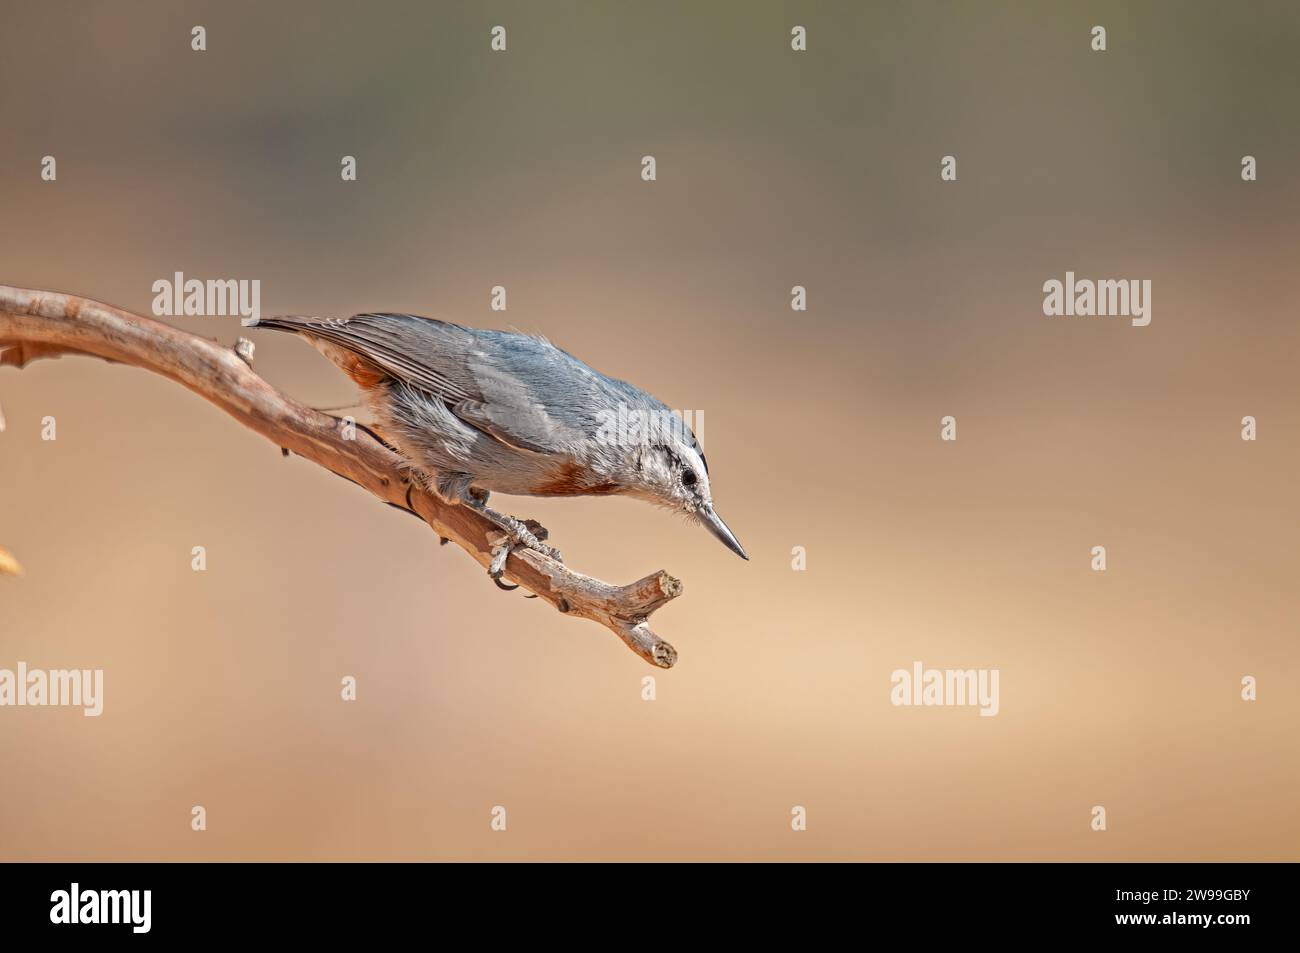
(574, 479)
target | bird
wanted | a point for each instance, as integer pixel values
(474, 412)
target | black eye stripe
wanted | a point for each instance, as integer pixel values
(676, 461)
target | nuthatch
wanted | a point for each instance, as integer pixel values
(476, 412)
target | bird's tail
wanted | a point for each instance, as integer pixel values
(326, 335)
(281, 322)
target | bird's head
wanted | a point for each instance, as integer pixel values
(671, 471)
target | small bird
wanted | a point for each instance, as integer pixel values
(475, 412)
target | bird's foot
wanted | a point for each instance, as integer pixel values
(515, 533)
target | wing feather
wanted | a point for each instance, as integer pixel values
(520, 390)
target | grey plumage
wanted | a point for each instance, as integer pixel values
(479, 411)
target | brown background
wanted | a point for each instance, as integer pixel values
(775, 169)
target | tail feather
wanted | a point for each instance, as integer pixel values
(323, 336)
(281, 322)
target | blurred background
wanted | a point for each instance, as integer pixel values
(775, 168)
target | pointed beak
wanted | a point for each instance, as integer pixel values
(719, 529)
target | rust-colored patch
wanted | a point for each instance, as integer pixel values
(365, 374)
(573, 480)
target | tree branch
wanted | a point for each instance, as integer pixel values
(37, 324)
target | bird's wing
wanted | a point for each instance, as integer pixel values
(423, 354)
(520, 390)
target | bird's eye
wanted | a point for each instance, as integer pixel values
(689, 478)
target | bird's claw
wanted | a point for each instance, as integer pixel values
(498, 564)
(526, 533)
(539, 534)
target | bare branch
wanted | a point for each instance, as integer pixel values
(37, 324)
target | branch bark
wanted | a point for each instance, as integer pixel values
(41, 324)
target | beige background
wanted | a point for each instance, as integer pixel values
(775, 169)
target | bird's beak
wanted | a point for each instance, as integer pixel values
(719, 529)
